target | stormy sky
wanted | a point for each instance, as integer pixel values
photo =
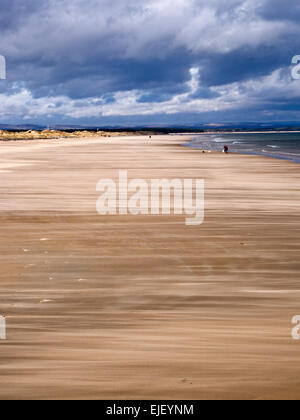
(149, 61)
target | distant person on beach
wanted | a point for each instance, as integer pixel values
(226, 149)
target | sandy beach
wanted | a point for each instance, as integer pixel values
(144, 307)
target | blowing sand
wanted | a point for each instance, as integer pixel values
(144, 307)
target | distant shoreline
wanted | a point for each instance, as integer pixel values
(241, 132)
(6, 135)
(198, 142)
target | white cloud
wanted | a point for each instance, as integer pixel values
(129, 28)
(232, 96)
(65, 46)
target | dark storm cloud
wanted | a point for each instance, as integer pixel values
(280, 9)
(89, 52)
(15, 12)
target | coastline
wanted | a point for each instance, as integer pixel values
(191, 144)
(143, 307)
(56, 135)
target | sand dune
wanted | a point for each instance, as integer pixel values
(137, 307)
(55, 134)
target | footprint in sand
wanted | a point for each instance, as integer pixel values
(185, 381)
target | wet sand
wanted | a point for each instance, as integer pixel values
(144, 307)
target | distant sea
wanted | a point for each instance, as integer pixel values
(276, 145)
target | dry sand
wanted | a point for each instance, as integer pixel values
(145, 307)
